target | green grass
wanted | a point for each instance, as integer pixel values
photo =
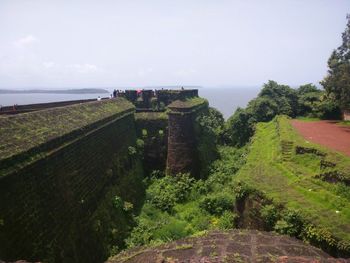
(303, 118)
(292, 183)
(344, 123)
(151, 116)
(188, 103)
(287, 132)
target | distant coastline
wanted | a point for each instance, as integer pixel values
(63, 91)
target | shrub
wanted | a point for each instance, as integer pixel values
(200, 187)
(217, 204)
(117, 202)
(270, 215)
(227, 220)
(140, 235)
(174, 229)
(291, 224)
(165, 192)
(140, 144)
(242, 190)
(132, 150)
(320, 237)
(144, 133)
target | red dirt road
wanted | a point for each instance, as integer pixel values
(326, 133)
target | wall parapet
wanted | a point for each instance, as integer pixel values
(48, 129)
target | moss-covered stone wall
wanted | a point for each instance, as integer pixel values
(183, 140)
(77, 199)
(152, 130)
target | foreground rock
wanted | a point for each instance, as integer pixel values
(232, 246)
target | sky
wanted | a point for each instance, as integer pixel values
(106, 43)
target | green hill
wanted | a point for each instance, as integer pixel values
(293, 172)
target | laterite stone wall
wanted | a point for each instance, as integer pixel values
(60, 207)
(183, 155)
(152, 129)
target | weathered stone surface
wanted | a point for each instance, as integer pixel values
(181, 144)
(57, 207)
(231, 246)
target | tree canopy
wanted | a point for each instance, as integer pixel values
(337, 82)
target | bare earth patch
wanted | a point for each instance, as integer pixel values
(326, 133)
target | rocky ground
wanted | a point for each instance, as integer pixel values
(232, 246)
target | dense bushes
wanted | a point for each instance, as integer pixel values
(275, 99)
(165, 192)
(217, 204)
(208, 127)
(280, 219)
(179, 206)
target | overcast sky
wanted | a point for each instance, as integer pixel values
(103, 43)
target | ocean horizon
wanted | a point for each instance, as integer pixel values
(224, 98)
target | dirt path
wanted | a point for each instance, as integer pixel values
(326, 133)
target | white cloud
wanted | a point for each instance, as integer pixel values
(26, 41)
(185, 72)
(144, 72)
(48, 64)
(84, 68)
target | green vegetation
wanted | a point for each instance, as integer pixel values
(288, 196)
(180, 206)
(294, 183)
(275, 99)
(208, 129)
(146, 116)
(188, 103)
(336, 83)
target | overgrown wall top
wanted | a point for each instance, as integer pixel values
(25, 136)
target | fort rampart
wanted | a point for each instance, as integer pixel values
(71, 177)
(57, 202)
(183, 155)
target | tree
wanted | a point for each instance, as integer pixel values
(308, 98)
(285, 97)
(337, 82)
(239, 128)
(263, 109)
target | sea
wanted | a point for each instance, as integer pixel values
(225, 99)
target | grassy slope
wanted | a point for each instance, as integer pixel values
(291, 182)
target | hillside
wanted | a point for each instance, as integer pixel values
(294, 173)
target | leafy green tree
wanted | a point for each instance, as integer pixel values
(307, 88)
(263, 109)
(337, 82)
(272, 100)
(239, 128)
(308, 98)
(284, 96)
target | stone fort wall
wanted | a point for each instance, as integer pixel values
(183, 139)
(61, 207)
(69, 187)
